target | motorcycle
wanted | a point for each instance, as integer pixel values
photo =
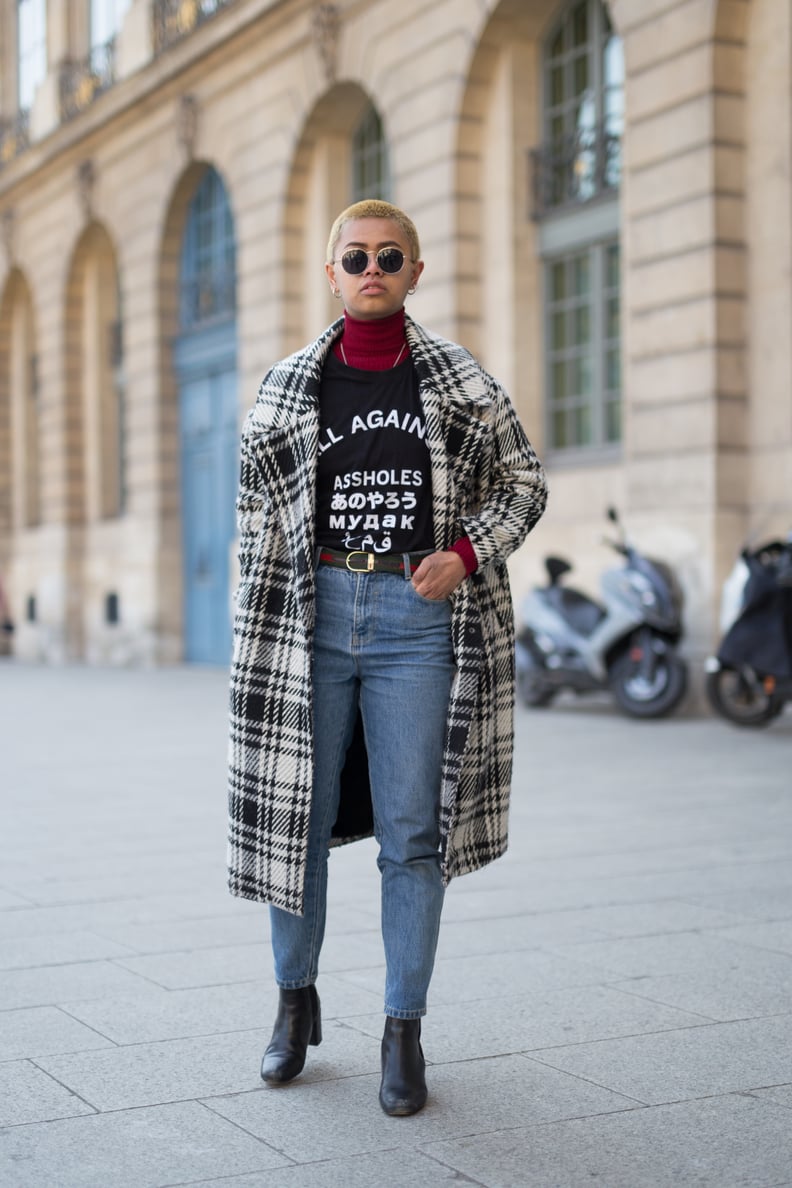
(627, 643)
(750, 679)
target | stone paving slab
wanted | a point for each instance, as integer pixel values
(199, 1067)
(672, 1066)
(45, 1031)
(28, 1095)
(611, 1003)
(394, 1169)
(305, 1123)
(58, 984)
(521, 1022)
(775, 935)
(27, 952)
(683, 952)
(710, 993)
(147, 1148)
(720, 1142)
(465, 979)
(207, 1010)
(202, 967)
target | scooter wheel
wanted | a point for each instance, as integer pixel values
(531, 692)
(642, 698)
(740, 699)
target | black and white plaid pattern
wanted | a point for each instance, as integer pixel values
(488, 484)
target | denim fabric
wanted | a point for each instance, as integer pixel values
(380, 645)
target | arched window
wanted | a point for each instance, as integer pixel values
(370, 170)
(576, 175)
(583, 77)
(208, 277)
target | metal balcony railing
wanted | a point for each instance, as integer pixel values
(81, 80)
(14, 136)
(574, 170)
(174, 19)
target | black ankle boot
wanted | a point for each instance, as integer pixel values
(403, 1089)
(297, 1024)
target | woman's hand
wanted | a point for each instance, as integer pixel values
(439, 574)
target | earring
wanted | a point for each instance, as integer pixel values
(412, 290)
(336, 292)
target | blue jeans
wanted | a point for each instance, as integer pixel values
(380, 646)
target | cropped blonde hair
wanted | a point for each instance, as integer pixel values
(374, 208)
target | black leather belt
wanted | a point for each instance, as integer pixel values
(359, 561)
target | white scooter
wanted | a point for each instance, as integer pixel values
(627, 643)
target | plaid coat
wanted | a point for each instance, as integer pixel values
(488, 484)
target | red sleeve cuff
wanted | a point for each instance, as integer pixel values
(465, 550)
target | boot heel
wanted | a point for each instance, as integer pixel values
(316, 1032)
(316, 1028)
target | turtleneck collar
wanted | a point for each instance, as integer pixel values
(375, 345)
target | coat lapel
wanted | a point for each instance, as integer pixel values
(455, 403)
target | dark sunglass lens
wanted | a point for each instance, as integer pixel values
(354, 262)
(390, 260)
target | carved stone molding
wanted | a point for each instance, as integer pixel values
(86, 184)
(326, 28)
(187, 124)
(7, 234)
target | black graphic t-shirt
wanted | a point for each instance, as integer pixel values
(374, 484)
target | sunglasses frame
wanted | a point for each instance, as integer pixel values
(353, 251)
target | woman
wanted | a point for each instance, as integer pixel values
(385, 479)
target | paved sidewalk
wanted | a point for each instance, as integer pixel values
(612, 1002)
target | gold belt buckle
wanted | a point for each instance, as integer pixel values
(360, 553)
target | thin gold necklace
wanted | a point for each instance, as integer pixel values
(393, 364)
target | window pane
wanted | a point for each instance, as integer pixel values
(208, 261)
(583, 348)
(558, 283)
(31, 49)
(557, 86)
(580, 25)
(580, 380)
(613, 63)
(580, 275)
(584, 97)
(559, 381)
(580, 75)
(369, 159)
(107, 16)
(582, 426)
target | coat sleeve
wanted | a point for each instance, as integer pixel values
(249, 510)
(515, 488)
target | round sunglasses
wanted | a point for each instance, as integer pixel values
(390, 260)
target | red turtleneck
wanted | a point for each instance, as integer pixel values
(372, 345)
(378, 345)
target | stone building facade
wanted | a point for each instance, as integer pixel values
(603, 196)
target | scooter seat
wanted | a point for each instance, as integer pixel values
(581, 612)
(556, 568)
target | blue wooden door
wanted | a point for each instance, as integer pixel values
(205, 357)
(209, 477)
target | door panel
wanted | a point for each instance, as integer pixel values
(209, 473)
